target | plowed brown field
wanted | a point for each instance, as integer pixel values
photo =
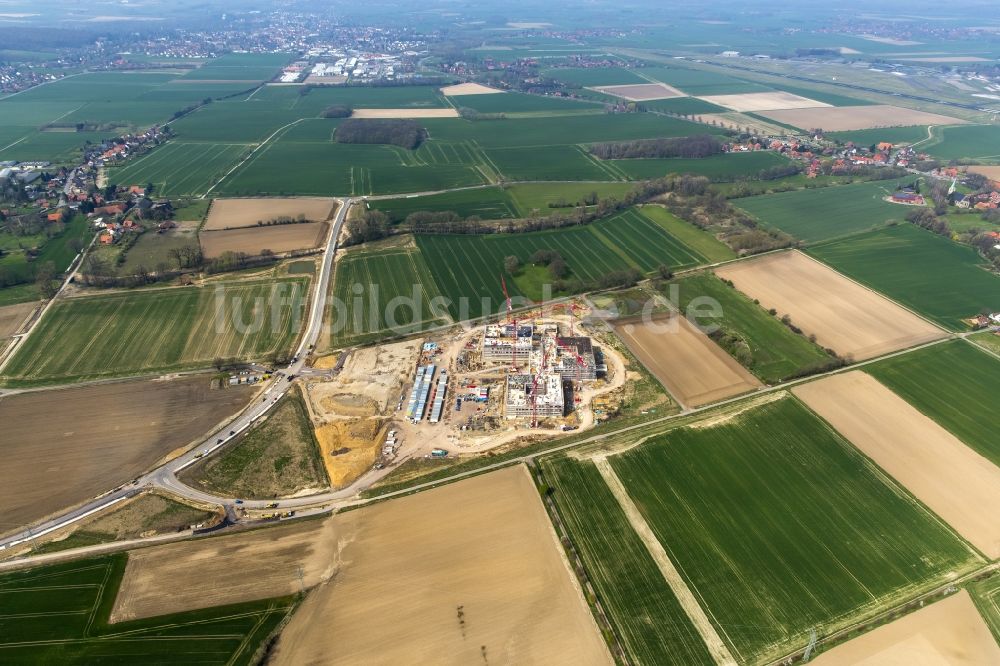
(278, 238)
(694, 369)
(469, 573)
(64, 446)
(235, 213)
(954, 481)
(948, 633)
(843, 315)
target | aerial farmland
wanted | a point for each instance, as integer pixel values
(430, 333)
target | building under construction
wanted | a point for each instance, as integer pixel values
(507, 343)
(574, 359)
(534, 396)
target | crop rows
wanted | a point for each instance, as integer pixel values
(364, 285)
(152, 331)
(780, 527)
(59, 614)
(646, 615)
(933, 275)
(818, 214)
(180, 168)
(955, 384)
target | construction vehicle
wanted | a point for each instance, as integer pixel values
(439, 453)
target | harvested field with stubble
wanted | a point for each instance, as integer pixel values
(469, 89)
(13, 316)
(990, 172)
(763, 101)
(947, 633)
(641, 92)
(957, 483)
(852, 320)
(694, 369)
(228, 569)
(253, 240)
(476, 575)
(236, 213)
(105, 434)
(844, 118)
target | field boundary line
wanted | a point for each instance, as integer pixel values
(262, 144)
(720, 653)
(877, 292)
(965, 336)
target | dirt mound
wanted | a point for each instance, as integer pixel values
(349, 448)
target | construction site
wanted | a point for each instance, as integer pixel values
(460, 391)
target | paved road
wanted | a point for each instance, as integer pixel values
(165, 476)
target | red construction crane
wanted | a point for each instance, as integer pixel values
(510, 318)
(534, 386)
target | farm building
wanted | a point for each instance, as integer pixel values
(905, 197)
(520, 402)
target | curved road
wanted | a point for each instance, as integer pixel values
(165, 475)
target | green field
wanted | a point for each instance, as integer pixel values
(702, 242)
(111, 103)
(60, 250)
(763, 344)
(562, 130)
(727, 167)
(779, 527)
(495, 203)
(938, 278)
(512, 102)
(181, 169)
(955, 384)
(531, 197)
(594, 76)
(328, 168)
(828, 212)
(489, 203)
(908, 135)
(977, 141)
(143, 332)
(986, 596)
(685, 106)
(698, 82)
(646, 615)
(467, 268)
(363, 286)
(549, 163)
(58, 614)
(276, 458)
(988, 340)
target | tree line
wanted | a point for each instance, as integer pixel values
(701, 145)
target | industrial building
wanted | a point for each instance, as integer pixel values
(417, 404)
(521, 401)
(439, 394)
